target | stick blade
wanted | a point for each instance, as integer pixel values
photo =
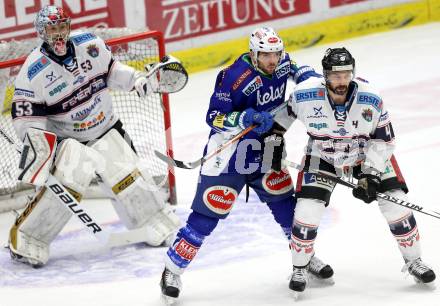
(177, 163)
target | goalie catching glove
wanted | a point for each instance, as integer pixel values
(167, 76)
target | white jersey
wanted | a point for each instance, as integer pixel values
(347, 135)
(69, 95)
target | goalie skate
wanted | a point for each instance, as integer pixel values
(170, 285)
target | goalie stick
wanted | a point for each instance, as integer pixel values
(380, 195)
(108, 239)
(194, 164)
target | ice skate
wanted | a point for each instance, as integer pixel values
(420, 271)
(298, 281)
(170, 285)
(320, 271)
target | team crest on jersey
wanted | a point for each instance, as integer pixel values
(307, 95)
(256, 83)
(370, 99)
(282, 69)
(341, 131)
(219, 199)
(277, 183)
(37, 66)
(367, 114)
(93, 50)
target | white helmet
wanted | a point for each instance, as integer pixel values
(264, 39)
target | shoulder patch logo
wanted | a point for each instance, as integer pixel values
(370, 99)
(37, 66)
(282, 69)
(306, 95)
(93, 50)
(82, 38)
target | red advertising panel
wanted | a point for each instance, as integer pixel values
(334, 3)
(17, 17)
(181, 19)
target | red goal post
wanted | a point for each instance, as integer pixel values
(147, 123)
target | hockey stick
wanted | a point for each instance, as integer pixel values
(108, 240)
(194, 164)
(380, 195)
(172, 76)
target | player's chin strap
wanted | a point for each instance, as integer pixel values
(194, 164)
(107, 239)
(380, 195)
(170, 73)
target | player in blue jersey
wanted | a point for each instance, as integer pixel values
(245, 93)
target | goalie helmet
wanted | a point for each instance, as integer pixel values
(264, 39)
(338, 59)
(53, 16)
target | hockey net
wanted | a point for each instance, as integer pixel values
(146, 121)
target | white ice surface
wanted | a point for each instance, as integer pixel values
(246, 260)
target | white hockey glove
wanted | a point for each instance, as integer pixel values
(169, 73)
(145, 85)
(37, 156)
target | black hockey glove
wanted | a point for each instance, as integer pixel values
(366, 188)
(274, 139)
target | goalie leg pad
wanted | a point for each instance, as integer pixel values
(44, 217)
(33, 231)
(136, 198)
(402, 224)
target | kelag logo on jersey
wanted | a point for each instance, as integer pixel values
(282, 69)
(306, 95)
(253, 86)
(36, 67)
(270, 96)
(370, 99)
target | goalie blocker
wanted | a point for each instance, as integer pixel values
(134, 195)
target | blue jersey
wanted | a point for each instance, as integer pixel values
(238, 87)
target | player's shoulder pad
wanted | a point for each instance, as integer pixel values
(310, 90)
(367, 94)
(79, 38)
(35, 63)
(236, 75)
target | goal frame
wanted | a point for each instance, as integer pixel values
(159, 37)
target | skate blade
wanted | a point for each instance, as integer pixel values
(317, 282)
(426, 286)
(168, 300)
(296, 295)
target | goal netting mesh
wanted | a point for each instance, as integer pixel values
(146, 121)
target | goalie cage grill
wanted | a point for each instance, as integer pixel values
(145, 121)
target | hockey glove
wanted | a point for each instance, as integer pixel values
(144, 85)
(366, 188)
(263, 120)
(303, 73)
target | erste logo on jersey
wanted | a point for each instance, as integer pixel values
(270, 96)
(306, 95)
(282, 69)
(256, 83)
(220, 199)
(277, 183)
(82, 38)
(370, 99)
(38, 66)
